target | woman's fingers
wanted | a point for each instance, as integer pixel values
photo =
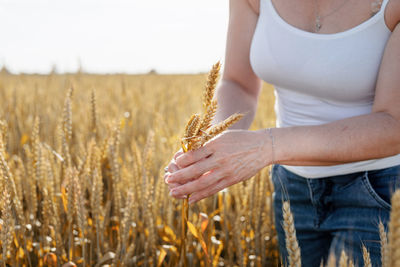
(177, 154)
(203, 182)
(193, 156)
(211, 190)
(172, 186)
(172, 167)
(227, 159)
(192, 172)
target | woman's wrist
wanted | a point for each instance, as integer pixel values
(267, 146)
(272, 139)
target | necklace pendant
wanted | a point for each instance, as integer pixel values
(317, 24)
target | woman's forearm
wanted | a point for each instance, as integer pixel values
(365, 137)
(232, 98)
(237, 155)
(371, 136)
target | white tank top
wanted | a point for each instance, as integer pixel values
(320, 78)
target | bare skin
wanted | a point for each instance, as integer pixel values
(238, 154)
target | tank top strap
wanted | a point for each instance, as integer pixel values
(382, 9)
(264, 6)
(383, 6)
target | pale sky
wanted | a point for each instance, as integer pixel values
(170, 36)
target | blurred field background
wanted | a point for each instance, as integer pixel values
(82, 176)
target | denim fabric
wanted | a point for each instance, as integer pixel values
(335, 213)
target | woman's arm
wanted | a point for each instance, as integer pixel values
(234, 156)
(239, 87)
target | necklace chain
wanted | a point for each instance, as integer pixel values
(318, 17)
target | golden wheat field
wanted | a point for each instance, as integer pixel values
(82, 162)
(82, 176)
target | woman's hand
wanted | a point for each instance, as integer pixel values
(231, 157)
(171, 168)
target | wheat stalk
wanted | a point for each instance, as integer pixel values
(80, 211)
(95, 203)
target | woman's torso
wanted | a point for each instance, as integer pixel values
(320, 78)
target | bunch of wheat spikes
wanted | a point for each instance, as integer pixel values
(198, 131)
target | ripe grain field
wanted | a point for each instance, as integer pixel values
(82, 160)
(81, 176)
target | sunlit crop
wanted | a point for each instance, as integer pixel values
(82, 159)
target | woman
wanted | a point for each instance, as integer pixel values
(335, 65)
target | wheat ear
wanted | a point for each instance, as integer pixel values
(344, 259)
(10, 184)
(208, 117)
(211, 84)
(191, 129)
(67, 115)
(188, 125)
(366, 257)
(36, 148)
(331, 260)
(292, 245)
(222, 126)
(7, 229)
(93, 104)
(3, 133)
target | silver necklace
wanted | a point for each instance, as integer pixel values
(318, 17)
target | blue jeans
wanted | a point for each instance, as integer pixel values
(335, 213)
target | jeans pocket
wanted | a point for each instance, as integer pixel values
(380, 187)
